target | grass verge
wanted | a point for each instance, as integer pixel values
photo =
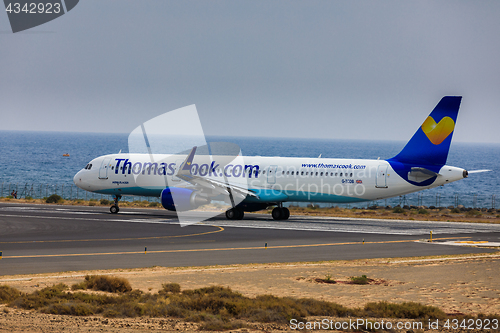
(216, 307)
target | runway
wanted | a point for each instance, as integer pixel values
(46, 238)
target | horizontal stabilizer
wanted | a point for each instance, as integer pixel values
(419, 175)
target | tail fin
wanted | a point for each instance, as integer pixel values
(431, 143)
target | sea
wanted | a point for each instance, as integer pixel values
(33, 163)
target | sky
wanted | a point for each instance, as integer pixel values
(370, 70)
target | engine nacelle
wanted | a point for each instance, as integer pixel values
(185, 199)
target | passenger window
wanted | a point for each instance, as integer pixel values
(263, 172)
(316, 173)
(336, 174)
(288, 172)
(302, 173)
(321, 174)
(351, 174)
(341, 174)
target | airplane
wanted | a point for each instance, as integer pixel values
(262, 182)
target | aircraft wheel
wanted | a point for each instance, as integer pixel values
(234, 214)
(277, 213)
(114, 209)
(286, 213)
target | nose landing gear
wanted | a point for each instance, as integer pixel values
(115, 209)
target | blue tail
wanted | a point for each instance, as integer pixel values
(431, 143)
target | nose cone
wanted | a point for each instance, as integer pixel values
(78, 179)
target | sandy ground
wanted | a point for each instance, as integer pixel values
(461, 284)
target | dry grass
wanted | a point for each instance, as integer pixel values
(216, 307)
(104, 283)
(8, 294)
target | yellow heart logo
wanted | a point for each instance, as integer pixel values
(436, 133)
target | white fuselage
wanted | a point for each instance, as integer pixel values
(274, 179)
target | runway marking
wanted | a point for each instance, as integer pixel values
(162, 221)
(217, 249)
(118, 239)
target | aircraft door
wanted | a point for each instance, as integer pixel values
(103, 170)
(271, 174)
(381, 180)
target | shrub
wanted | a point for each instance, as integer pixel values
(28, 198)
(54, 198)
(40, 298)
(473, 213)
(173, 288)
(105, 202)
(455, 210)
(398, 210)
(8, 294)
(72, 309)
(423, 211)
(359, 279)
(154, 204)
(104, 283)
(408, 310)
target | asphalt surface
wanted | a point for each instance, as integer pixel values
(47, 238)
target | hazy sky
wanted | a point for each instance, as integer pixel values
(312, 69)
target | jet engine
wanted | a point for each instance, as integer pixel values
(185, 199)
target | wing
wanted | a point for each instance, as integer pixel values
(225, 188)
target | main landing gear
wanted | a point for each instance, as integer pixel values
(280, 213)
(115, 209)
(235, 214)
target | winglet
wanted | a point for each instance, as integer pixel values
(189, 160)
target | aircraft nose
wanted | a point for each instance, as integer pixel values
(77, 179)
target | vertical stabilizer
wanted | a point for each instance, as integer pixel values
(431, 143)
